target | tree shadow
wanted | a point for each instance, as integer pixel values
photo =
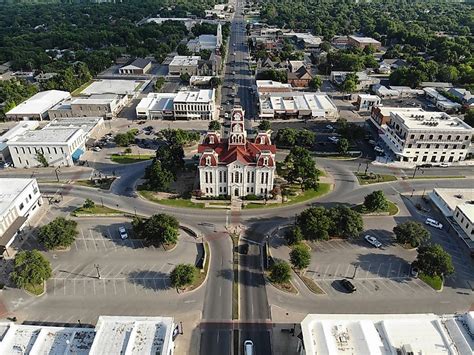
(151, 280)
(336, 284)
(398, 268)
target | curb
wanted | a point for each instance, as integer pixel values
(207, 273)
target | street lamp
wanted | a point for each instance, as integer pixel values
(98, 272)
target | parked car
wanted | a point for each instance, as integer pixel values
(6, 165)
(333, 139)
(329, 127)
(244, 249)
(349, 286)
(96, 149)
(426, 165)
(378, 149)
(123, 232)
(433, 223)
(414, 271)
(372, 241)
(248, 347)
(444, 165)
(372, 142)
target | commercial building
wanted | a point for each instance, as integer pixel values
(200, 80)
(458, 208)
(58, 146)
(362, 42)
(298, 104)
(307, 40)
(17, 130)
(441, 102)
(366, 102)
(95, 105)
(192, 105)
(387, 334)
(184, 64)
(464, 95)
(20, 199)
(130, 88)
(139, 66)
(184, 105)
(93, 127)
(236, 166)
(380, 115)
(268, 86)
(37, 106)
(206, 41)
(431, 137)
(111, 335)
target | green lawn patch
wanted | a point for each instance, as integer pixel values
(78, 91)
(95, 210)
(392, 209)
(285, 286)
(103, 184)
(174, 202)
(36, 290)
(421, 177)
(130, 158)
(323, 189)
(374, 178)
(434, 282)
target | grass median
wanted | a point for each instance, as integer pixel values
(36, 290)
(130, 158)
(391, 210)
(434, 282)
(103, 184)
(367, 179)
(102, 210)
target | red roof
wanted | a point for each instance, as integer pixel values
(246, 154)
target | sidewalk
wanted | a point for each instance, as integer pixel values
(189, 342)
(283, 341)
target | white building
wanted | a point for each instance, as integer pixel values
(93, 127)
(297, 104)
(112, 335)
(365, 102)
(20, 199)
(235, 166)
(431, 137)
(365, 81)
(37, 106)
(458, 207)
(17, 130)
(184, 105)
(139, 66)
(130, 88)
(441, 102)
(184, 64)
(387, 334)
(95, 105)
(268, 86)
(59, 146)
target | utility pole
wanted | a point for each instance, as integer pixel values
(56, 171)
(98, 272)
(358, 168)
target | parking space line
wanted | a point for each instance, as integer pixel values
(337, 268)
(93, 283)
(347, 271)
(389, 270)
(105, 290)
(363, 284)
(115, 288)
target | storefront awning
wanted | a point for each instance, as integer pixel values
(77, 154)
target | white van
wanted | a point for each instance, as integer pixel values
(433, 223)
(248, 347)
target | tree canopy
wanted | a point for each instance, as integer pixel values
(300, 257)
(412, 233)
(300, 167)
(59, 233)
(433, 260)
(376, 201)
(158, 178)
(30, 268)
(183, 275)
(280, 272)
(264, 125)
(159, 229)
(214, 126)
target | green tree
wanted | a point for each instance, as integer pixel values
(300, 257)
(125, 139)
(215, 81)
(315, 83)
(179, 136)
(293, 235)
(280, 272)
(182, 49)
(433, 260)
(185, 78)
(214, 126)
(30, 268)
(314, 223)
(159, 229)
(183, 275)
(305, 138)
(376, 201)
(300, 167)
(42, 159)
(158, 178)
(88, 203)
(286, 137)
(264, 125)
(345, 222)
(159, 83)
(171, 158)
(343, 146)
(350, 83)
(59, 233)
(412, 233)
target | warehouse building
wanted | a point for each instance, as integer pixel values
(37, 106)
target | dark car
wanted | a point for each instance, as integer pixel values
(349, 286)
(427, 165)
(244, 249)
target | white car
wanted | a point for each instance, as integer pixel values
(372, 241)
(378, 149)
(334, 139)
(433, 223)
(444, 165)
(6, 165)
(97, 149)
(123, 232)
(329, 127)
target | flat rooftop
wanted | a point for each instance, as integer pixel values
(298, 100)
(19, 129)
(271, 83)
(185, 61)
(10, 188)
(156, 102)
(368, 40)
(87, 124)
(39, 103)
(432, 121)
(384, 334)
(112, 86)
(96, 99)
(201, 96)
(385, 110)
(46, 136)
